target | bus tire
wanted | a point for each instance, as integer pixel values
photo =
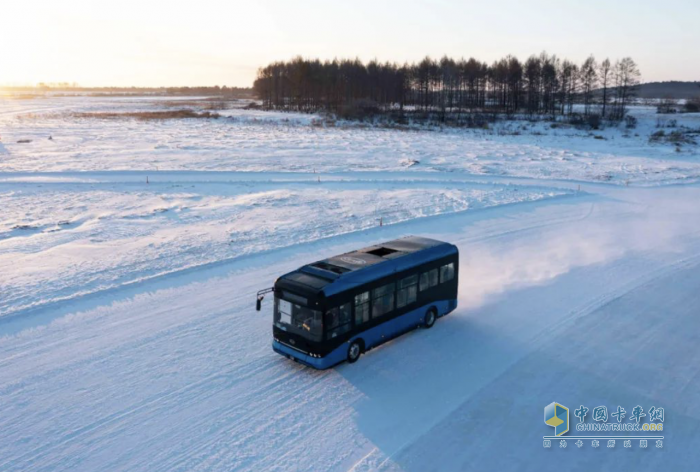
(430, 317)
(354, 351)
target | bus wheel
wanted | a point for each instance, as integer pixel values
(354, 351)
(430, 318)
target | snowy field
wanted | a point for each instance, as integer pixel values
(284, 142)
(131, 251)
(85, 234)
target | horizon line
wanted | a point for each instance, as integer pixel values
(78, 87)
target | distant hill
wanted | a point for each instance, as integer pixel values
(673, 89)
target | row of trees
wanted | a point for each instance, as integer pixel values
(543, 85)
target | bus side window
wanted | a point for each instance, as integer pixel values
(338, 320)
(407, 292)
(345, 315)
(428, 279)
(447, 272)
(332, 318)
(361, 308)
(382, 300)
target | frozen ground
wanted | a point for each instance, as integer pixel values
(129, 339)
(279, 142)
(62, 237)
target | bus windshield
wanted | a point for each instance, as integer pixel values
(298, 319)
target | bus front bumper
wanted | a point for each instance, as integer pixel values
(291, 353)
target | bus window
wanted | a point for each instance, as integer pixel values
(285, 310)
(308, 320)
(428, 279)
(382, 300)
(361, 308)
(447, 273)
(406, 294)
(338, 320)
(299, 319)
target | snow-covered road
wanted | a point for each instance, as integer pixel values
(588, 299)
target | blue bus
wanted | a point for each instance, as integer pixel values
(335, 309)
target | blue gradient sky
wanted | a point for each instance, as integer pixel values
(213, 42)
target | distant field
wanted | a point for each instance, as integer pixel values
(249, 140)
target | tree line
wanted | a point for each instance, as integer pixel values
(448, 89)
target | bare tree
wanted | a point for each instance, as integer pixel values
(604, 72)
(626, 76)
(589, 81)
(533, 83)
(568, 86)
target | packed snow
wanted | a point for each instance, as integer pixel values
(86, 235)
(131, 251)
(244, 140)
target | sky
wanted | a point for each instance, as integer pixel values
(224, 42)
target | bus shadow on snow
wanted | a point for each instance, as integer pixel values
(500, 425)
(469, 393)
(413, 382)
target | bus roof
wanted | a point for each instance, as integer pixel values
(345, 271)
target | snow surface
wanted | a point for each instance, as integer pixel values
(129, 339)
(77, 237)
(261, 141)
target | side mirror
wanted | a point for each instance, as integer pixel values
(261, 295)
